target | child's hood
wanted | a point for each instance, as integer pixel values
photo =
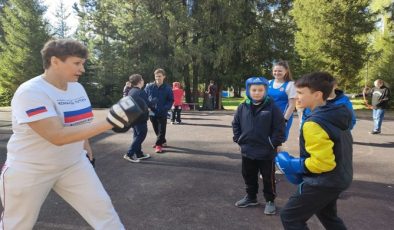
(337, 115)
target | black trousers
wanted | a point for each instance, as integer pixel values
(310, 200)
(159, 126)
(176, 113)
(250, 173)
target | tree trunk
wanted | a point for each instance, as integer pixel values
(195, 81)
(186, 79)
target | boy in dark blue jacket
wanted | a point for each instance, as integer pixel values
(160, 99)
(140, 128)
(259, 128)
(324, 168)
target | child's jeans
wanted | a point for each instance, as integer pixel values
(139, 134)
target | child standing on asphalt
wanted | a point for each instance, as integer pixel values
(324, 169)
(259, 128)
(140, 128)
(178, 100)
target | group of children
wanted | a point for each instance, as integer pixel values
(52, 122)
(262, 123)
(160, 98)
(324, 169)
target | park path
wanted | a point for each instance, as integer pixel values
(195, 184)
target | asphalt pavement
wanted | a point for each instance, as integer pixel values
(195, 183)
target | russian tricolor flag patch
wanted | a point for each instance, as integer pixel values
(78, 115)
(35, 111)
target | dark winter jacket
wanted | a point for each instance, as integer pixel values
(160, 98)
(326, 144)
(340, 98)
(135, 91)
(259, 132)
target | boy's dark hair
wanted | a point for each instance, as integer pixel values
(62, 49)
(288, 76)
(317, 81)
(135, 79)
(160, 70)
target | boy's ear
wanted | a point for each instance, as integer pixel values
(318, 95)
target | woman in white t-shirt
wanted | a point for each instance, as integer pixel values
(52, 120)
(281, 89)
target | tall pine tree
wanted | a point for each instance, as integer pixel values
(61, 28)
(25, 32)
(330, 36)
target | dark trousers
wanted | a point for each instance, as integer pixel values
(176, 113)
(212, 104)
(159, 126)
(250, 173)
(139, 134)
(310, 200)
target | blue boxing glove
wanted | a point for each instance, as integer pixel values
(292, 167)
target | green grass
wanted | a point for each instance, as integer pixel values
(231, 103)
(358, 104)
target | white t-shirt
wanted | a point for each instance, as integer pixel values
(290, 88)
(37, 99)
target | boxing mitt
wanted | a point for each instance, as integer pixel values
(126, 111)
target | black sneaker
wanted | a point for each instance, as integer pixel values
(374, 132)
(143, 156)
(245, 202)
(133, 158)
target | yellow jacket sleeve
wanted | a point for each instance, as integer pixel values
(320, 147)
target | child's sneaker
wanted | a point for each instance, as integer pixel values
(163, 145)
(245, 202)
(133, 158)
(270, 208)
(143, 156)
(158, 149)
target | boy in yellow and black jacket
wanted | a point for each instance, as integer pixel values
(324, 168)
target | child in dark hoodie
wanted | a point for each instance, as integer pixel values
(140, 128)
(324, 168)
(259, 128)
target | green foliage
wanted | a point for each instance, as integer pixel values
(25, 32)
(381, 50)
(223, 40)
(331, 36)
